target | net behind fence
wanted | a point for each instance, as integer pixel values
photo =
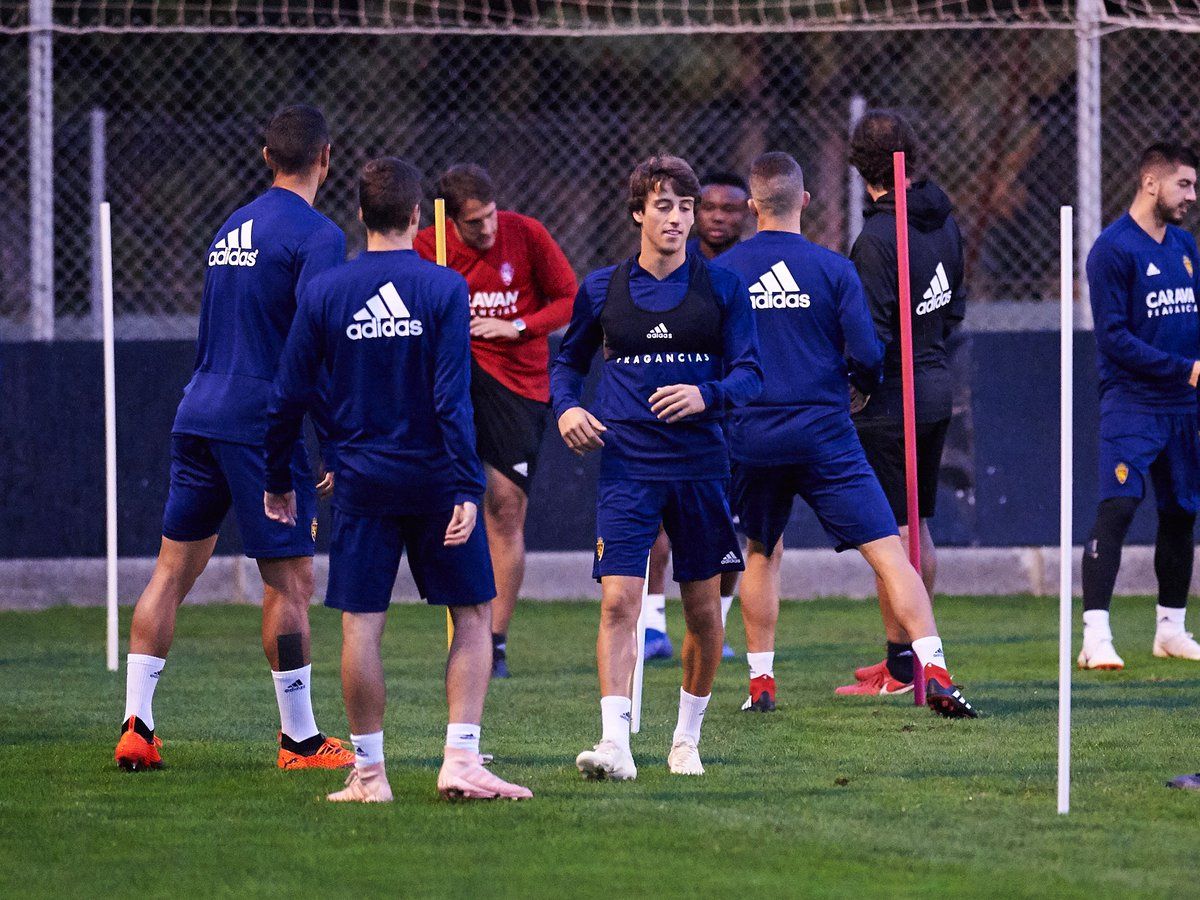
(560, 121)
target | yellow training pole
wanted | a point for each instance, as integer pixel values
(439, 231)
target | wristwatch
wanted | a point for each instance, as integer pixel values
(519, 324)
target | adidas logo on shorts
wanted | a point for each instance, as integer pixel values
(236, 248)
(731, 559)
(385, 315)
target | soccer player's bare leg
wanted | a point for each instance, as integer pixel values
(504, 509)
(365, 694)
(898, 660)
(178, 566)
(760, 614)
(468, 670)
(702, 645)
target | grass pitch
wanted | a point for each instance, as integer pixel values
(826, 797)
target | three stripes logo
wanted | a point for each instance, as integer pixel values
(236, 248)
(777, 289)
(731, 559)
(938, 294)
(385, 315)
(297, 685)
(659, 331)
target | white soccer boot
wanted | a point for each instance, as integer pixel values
(1178, 644)
(607, 760)
(1099, 653)
(366, 785)
(684, 758)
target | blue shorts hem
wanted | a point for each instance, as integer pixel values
(187, 538)
(279, 553)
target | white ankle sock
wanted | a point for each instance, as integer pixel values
(656, 612)
(1170, 619)
(929, 650)
(141, 678)
(293, 693)
(761, 663)
(615, 715)
(463, 736)
(691, 716)
(726, 603)
(368, 749)
(1096, 626)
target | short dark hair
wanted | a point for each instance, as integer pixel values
(656, 172)
(1166, 155)
(295, 137)
(777, 183)
(388, 190)
(462, 182)
(879, 134)
(725, 179)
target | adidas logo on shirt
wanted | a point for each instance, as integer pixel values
(659, 331)
(938, 293)
(777, 289)
(236, 248)
(385, 315)
(1152, 269)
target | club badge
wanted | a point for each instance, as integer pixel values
(1187, 264)
(507, 273)
(314, 528)
(1122, 472)
(599, 549)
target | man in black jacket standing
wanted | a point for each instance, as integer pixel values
(939, 300)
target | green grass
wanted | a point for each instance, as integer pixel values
(840, 798)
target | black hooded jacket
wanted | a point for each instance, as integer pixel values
(935, 250)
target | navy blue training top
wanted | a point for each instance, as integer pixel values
(815, 333)
(637, 444)
(393, 333)
(1143, 297)
(258, 264)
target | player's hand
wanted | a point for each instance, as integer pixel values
(485, 329)
(858, 400)
(280, 508)
(1195, 378)
(462, 523)
(581, 430)
(325, 486)
(676, 401)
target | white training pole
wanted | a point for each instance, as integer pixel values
(110, 430)
(639, 667)
(1066, 480)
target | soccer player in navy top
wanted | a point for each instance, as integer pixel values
(678, 349)
(261, 258)
(796, 437)
(392, 333)
(1142, 277)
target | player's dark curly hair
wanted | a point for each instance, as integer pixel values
(463, 182)
(879, 134)
(388, 191)
(659, 171)
(1166, 155)
(295, 138)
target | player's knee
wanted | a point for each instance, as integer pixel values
(1112, 524)
(619, 612)
(506, 511)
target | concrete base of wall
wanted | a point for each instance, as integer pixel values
(40, 583)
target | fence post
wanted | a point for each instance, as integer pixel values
(41, 170)
(1087, 114)
(856, 191)
(98, 188)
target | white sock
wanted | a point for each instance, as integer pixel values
(615, 716)
(294, 695)
(368, 749)
(656, 612)
(1096, 626)
(761, 663)
(463, 736)
(929, 650)
(1170, 619)
(691, 716)
(141, 678)
(726, 602)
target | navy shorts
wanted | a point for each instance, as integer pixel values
(209, 476)
(842, 490)
(365, 551)
(695, 515)
(1162, 447)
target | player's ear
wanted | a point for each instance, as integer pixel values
(415, 219)
(753, 207)
(638, 216)
(360, 216)
(267, 159)
(804, 203)
(324, 160)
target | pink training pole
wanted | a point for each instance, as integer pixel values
(906, 386)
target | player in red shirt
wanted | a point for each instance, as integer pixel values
(522, 288)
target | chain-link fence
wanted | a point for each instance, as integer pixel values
(167, 125)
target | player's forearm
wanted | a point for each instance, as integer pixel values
(283, 431)
(1139, 358)
(551, 317)
(566, 387)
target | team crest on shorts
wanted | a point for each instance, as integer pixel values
(313, 529)
(599, 548)
(507, 273)
(1187, 264)
(1122, 472)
